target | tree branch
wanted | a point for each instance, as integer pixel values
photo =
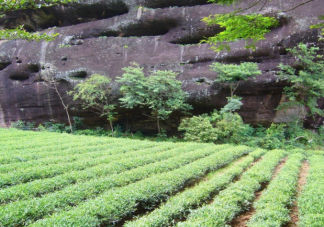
(297, 6)
(250, 6)
(266, 1)
(149, 116)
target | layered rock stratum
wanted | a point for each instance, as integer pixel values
(103, 36)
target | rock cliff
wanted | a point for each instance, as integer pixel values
(103, 36)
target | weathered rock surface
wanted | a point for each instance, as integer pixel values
(103, 36)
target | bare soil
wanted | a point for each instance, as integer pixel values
(301, 182)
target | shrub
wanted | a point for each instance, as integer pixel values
(22, 125)
(219, 127)
(307, 78)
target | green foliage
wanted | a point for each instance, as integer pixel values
(95, 93)
(232, 105)
(248, 26)
(311, 201)
(237, 196)
(232, 73)
(77, 123)
(110, 206)
(54, 127)
(160, 92)
(20, 33)
(8, 6)
(52, 179)
(307, 76)
(251, 26)
(22, 125)
(320, 25)
(180, 205)
(224, 2)
(133, 86)
(273, 207)
(98, 131)
(161, 136)
(228, 127)
(198, 129)
(218, 128)
(274, 137)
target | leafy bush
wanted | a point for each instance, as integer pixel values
(161, 136)
(218, 128)
(273, 137)
(54, 127)
(118, 132)
(78, 123)
(198, 129)
(227, 127)
(22, 125)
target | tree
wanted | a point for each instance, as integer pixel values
(238, 26)
(234, 74)
(96, 93)
(307, 78)
(160, 92)
(7, 6)
(53, 84)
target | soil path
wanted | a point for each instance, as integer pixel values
(301, 182)
(241, 220)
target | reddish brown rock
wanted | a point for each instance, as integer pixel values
(105, 36)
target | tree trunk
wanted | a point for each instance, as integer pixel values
(112, 128)
(158, 124)
(65, 106)
(69, 119)
(231, 91)
(234, 89)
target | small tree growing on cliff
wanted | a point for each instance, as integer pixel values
(95, 93)
(234, 74)
(161, 92)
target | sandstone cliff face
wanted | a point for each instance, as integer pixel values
(102, 36)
